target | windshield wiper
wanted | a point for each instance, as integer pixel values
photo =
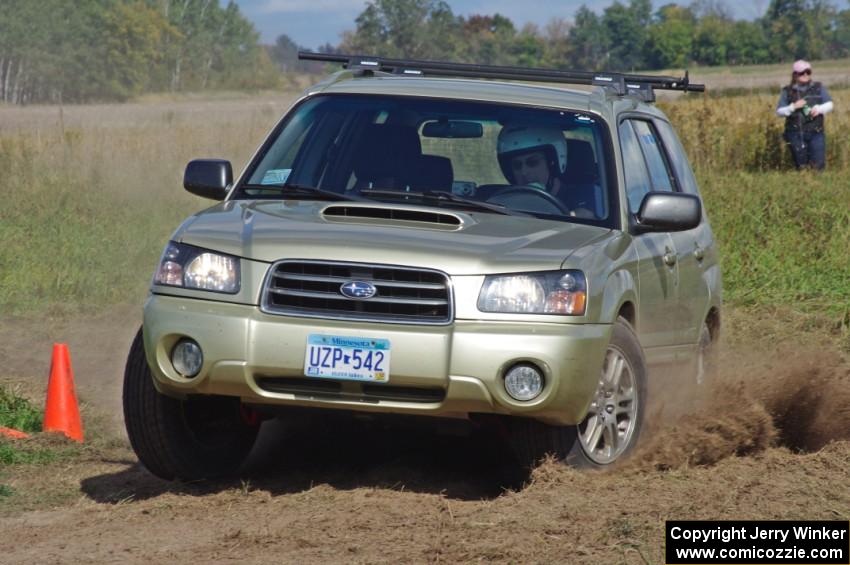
(433, 196)
(304, 189)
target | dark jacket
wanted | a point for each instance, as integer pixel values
(814, 94)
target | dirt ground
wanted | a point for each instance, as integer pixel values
(98, 343)
(769, 440)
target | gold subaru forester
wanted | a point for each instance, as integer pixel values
(413, 240)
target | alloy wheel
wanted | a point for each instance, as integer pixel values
(607, 430)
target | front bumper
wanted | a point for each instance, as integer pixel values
(448, 371)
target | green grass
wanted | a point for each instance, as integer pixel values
(92, 194)
(784, 238)
(21, 453)
(74, 239)
(17, 412)
(6, 491)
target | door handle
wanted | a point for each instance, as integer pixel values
(699, 253)
(669, 258)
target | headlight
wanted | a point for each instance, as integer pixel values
(558, 292)
(191, 267)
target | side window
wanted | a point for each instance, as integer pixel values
(678, 158)
(634, 167)
(652, 150)
(278, 161)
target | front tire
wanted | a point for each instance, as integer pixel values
(612, 426)
(200, 437)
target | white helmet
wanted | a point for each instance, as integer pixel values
(518, 138)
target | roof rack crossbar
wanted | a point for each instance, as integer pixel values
(617, 81)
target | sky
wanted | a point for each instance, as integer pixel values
(311, 23)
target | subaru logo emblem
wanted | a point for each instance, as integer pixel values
(358, 289)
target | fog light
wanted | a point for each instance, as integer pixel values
(186, 357)
(524, 382)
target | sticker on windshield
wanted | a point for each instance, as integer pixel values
(276, 176)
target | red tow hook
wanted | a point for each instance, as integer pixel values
(249, 416)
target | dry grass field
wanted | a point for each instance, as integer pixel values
(748, 78)
(92, 194)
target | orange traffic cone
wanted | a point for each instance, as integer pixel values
(9, 432)
(61, 413)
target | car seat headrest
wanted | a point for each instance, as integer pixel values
(581, 162)
(434, 173)
(387, 152)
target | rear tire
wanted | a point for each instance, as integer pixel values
(612, 427)
(200, 437)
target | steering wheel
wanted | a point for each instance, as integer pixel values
(531, 191)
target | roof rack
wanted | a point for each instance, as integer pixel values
(621, 84)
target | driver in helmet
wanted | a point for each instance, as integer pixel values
(536, 156)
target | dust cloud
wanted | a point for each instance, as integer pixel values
(793, 397)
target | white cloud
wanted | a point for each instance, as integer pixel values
(301, 6)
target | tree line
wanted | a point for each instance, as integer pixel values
(61, 51)
(625, 36)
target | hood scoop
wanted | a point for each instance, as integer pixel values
(441, 219)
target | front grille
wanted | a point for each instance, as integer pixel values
(404, 295)
(361, 392)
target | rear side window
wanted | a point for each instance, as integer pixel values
(652, 150)
(634, 167)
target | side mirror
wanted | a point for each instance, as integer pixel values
(209, 178)
(668, 211)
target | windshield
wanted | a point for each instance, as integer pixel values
(548, 163)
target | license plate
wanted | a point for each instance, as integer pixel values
(349, 358)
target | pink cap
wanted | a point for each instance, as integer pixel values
(801, 66)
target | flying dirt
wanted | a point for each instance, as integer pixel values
(791, 398)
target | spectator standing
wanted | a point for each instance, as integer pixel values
(803, 104)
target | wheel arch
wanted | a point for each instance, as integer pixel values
(620, 299)
(712, 318)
